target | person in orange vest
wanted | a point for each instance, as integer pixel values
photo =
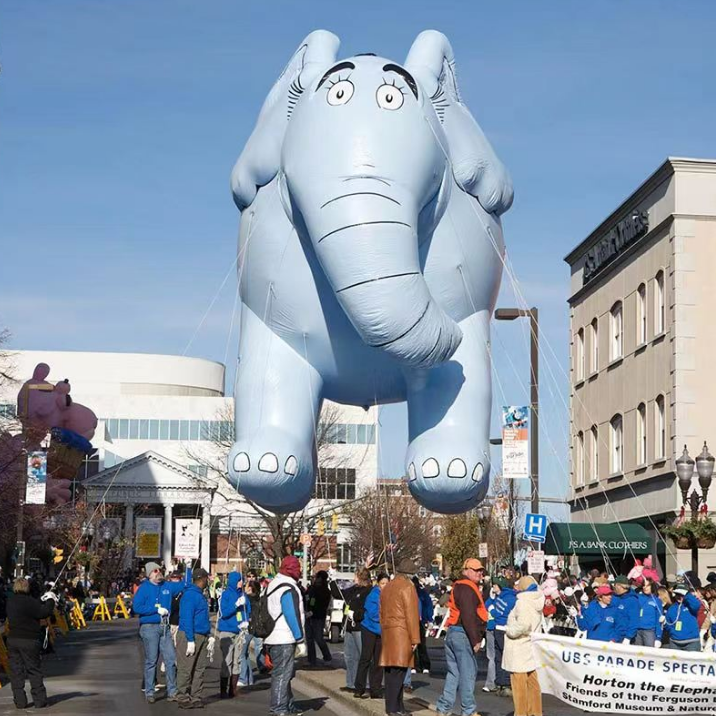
(466, 624)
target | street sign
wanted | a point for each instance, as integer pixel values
(536, 527)
(482, 550)
(535, 562)
(306, 539)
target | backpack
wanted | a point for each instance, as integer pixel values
(261, 623)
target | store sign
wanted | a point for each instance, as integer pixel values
(36, 478)
(186, 536)
(617, 240)
(149, 532)
(585, 546)
(535, 562)
(515, 441)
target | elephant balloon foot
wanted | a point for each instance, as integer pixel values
(444, 482)
(273, 469)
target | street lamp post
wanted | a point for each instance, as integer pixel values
(510, 314)
(704, 464)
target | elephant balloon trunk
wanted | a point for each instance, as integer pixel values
(365, 237)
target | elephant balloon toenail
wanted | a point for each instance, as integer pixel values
(457, 468)
(291, 467)
(411, 473)
(431, 468)
(268, 463)
(478, 472)
(242, 462)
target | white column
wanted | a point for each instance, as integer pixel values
(206, 537)
(167, 541)
(129, 535)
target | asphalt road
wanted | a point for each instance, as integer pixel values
(98, 671)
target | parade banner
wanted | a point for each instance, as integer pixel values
(149, 530)
(36, 478)
(186, 538)
(595, 676)
(515, 441)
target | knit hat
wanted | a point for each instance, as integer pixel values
(150, 567)
(621, 579)
(502, 583)
(291, 567)
(200, 573)
(524, 583)
(406, 566)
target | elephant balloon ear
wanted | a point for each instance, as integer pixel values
(259, 162)
(475, 165)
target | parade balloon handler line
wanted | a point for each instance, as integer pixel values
(523, 304)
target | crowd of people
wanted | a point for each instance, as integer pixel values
(387, 620)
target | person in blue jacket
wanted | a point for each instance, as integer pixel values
(627, 603)
(599, 618)
(651, 612)
(505, 600)
(427, 612)
(490, 685)
(233, 621)
(193, 641)
(681, 623)
(371, 643)
(152, 603)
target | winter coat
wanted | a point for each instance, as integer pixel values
(24, 614)
(149, 595)
(194, 613)
(425, 604)
(504, 603)
(354, 598)
(650, 611)
(599, 622)
(627, 615)
(232, 616)
(682, 619)
(371, 611)
(524, 619)
(319, 598)
(399, 622)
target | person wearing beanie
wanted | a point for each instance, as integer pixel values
(599, 618)
(519, 659)
(400, 627)
(152, 603)
(504, 603)
(233, 622)
(194, 643)
(627, 604)
(287, 640)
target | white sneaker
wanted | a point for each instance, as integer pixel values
(240, 684)
(426, 671)
(413, 671)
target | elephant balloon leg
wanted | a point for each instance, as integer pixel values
(272, 461)
(448, 408)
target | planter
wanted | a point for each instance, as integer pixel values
(682, 542)
(706, 542)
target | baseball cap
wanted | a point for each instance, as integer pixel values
(681, 589)
(150, 567)
(200, 573)
(604, 590)
(621, 579)
(472, 563)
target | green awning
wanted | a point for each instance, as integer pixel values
(567, 538)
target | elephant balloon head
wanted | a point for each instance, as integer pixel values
(368, 157)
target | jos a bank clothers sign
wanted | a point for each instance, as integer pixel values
(617, 240)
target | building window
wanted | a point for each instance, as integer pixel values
(659, 309)
(617, 445)
(579, 355)
(641, 434)
(617, 334)
(641, 315)
(344, 557)
(579, 459)
(594, 454)
(660, 429)
(594, 362)
(335, 483)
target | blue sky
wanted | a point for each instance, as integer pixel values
(119, 124)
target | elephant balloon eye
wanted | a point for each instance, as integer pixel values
(389, 97)
(340, 92)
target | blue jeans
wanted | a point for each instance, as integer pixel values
(282, 656)
(461, 674)
(490, 680)
(157, 639)
(351, 652)
(645, 637)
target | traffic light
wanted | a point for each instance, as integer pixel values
(321, 527)
(57, 555)
(334, 523)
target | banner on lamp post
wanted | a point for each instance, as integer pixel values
(187, 534)
(36, 478)
(515, 441)
(149, 533)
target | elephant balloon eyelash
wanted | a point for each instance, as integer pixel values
(336, 81)
(294, 92)
(393, 83)
(440, 103)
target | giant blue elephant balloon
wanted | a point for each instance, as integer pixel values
(371, 254)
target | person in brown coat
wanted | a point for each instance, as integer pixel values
(400, 627)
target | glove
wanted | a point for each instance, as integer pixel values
(662, 619)
(190, 648)
(712, 618)
(210, 648)
(49, 595)
(626, 641)
(244, 626)
(301, 649)
(332, 574)
(573, 612)
(584, 598)
(309, 615)
(350, 614)
(483, 642)
(163, 612)
(657, 644)
(241, 601)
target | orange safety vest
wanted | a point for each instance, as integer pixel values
(454, 617)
